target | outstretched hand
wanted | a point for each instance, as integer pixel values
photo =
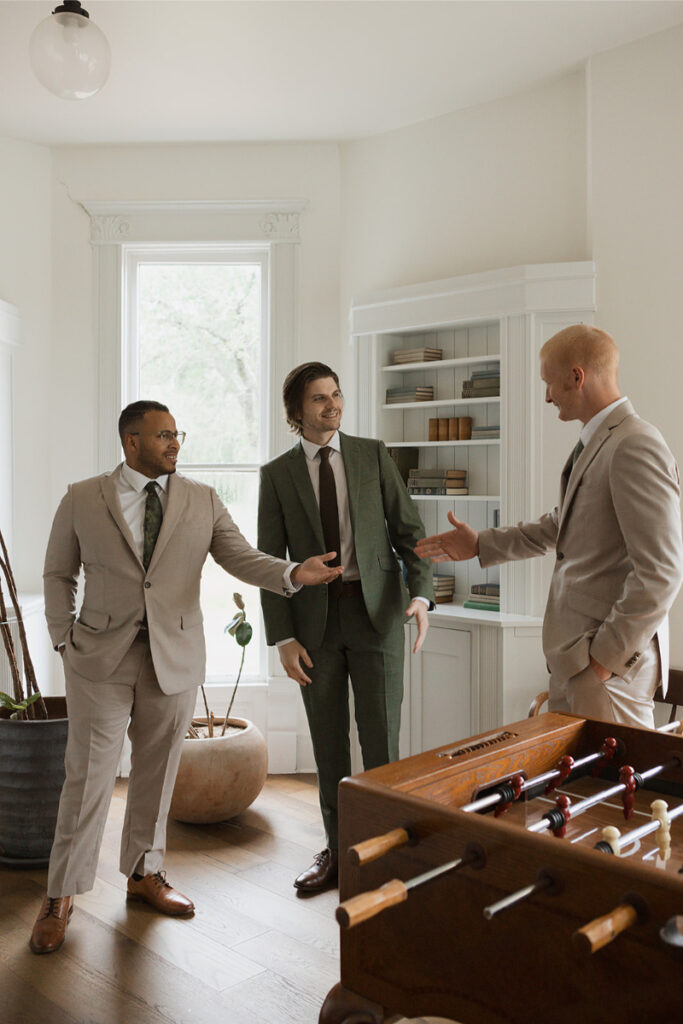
(455, 545)
(314, 571)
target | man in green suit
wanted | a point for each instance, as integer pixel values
(335, 492)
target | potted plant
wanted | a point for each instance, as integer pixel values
(224, 761)
(32, 745)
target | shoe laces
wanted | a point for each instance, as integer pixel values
(160, 877)
(322, 856)
(51, 910)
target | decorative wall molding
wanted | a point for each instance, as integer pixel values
(198, 221)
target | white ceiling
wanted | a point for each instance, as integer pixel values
(209, 70)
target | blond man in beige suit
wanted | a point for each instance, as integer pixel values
(134, 654)
(616, 534)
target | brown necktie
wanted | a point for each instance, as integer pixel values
(329, 514)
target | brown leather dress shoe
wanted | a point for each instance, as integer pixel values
(155, 890)
(50, 927)
(322, 874)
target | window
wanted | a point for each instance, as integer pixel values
(196, 338)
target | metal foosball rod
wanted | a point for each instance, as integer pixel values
(556, 819)
(544, 881)
(507, 792)
(367, 904)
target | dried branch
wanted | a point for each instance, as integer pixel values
(29, 671)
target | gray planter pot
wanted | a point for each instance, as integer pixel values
(31, 779)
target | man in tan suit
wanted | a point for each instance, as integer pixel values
(135, 651)
(616, 533)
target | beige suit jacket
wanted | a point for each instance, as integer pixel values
(617, 537)
(89, 530)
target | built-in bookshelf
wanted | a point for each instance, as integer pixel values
(478, 667)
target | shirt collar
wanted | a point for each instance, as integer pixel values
(138, 481)
(311, 449)
(590, 428)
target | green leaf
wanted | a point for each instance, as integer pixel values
(243, 634)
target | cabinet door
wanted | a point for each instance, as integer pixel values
(440, 689)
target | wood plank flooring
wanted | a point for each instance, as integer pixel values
(252, 954)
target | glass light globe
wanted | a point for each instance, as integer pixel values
(69, 55)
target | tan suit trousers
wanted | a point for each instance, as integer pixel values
(627, 700)
(98, 715)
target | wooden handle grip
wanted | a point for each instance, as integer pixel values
(377, 846)
(598, 933)
(367, 904)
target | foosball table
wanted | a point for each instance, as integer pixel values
(530, 874)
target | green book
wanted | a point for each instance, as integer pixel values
(482, 605)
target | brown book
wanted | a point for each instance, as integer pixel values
(443, 428)
(433, 429)
(453, 428)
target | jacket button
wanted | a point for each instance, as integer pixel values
(147, 585)
(560, 556)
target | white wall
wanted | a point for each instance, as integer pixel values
(637, 223)
(26, 282)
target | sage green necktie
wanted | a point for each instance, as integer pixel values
(577, 451)
(153, 516)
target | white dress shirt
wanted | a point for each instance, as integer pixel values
(133, 498)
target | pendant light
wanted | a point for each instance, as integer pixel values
(69, 54)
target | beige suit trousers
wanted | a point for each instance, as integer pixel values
(625, 699)
(98, 715)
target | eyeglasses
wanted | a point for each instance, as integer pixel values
(165, 435)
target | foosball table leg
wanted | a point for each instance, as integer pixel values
(342, 1006)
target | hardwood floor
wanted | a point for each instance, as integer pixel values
(252, 954)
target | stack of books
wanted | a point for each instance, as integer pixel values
(416, 355)
(481, 433)
(485, 596)
(482, 384)
(415, 393)
(437, 481)
(444, 588)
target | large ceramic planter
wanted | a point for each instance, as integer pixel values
(220, 776)
(31, 779)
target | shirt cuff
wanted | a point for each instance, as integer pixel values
(425, 600)
(281, 643)
(291, 588)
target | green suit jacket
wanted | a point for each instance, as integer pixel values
(384, 521)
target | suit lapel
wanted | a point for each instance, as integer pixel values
(351, 455)
(602, 434)
(177, 499)
(296, 464)
(110, 493)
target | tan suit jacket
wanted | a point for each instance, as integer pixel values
(617, 536)
(89, 530)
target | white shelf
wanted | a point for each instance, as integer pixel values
(440, 444)
(454, 610)
(439, 364)
(455, 497)
(440, 402)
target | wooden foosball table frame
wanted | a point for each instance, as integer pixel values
(434, 953)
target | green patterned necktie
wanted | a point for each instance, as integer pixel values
(153, 516)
